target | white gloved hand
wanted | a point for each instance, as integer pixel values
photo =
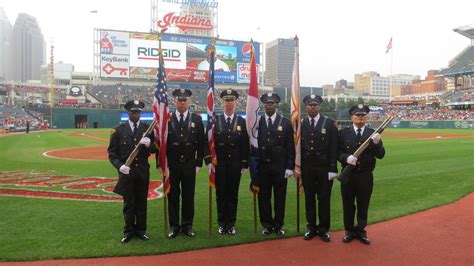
(210, 167)
(124, 169)
(243, 171)
(197, 169)
(332, 176)
(376, 138)
(145, 141)
(288, 173)
(351, 160)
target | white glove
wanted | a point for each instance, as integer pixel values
(332, 176)
(351, 160)
(124, 169)
(288, 173)
(376, 138)
(243, 171)
(145, 141)
(210, 167)
(197, 169)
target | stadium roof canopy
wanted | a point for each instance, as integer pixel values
(467, 31)
(461, 65)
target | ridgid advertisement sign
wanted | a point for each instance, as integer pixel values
(135, 55)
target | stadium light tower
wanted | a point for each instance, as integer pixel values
(467, 31)
(153, 14)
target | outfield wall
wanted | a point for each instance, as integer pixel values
(101, 118)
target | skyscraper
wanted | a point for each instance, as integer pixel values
(280, 55)
(6, 55)
(29, 48)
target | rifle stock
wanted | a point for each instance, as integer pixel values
(346, 172)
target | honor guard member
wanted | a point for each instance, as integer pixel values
(277, 162)
(359, 187)
(133, 179)
(232, 152)
(318, 166)
(186, 148)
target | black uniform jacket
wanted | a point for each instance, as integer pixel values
(319, 143)
(232, 142)
(348, 144)
(276, 144)
(122, 144)
(188, 143)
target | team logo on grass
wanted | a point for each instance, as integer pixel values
(45, 184)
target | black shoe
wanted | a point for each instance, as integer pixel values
(280, 232)
(189, 233)
(231, 231)
(364, 240)
(172, 234)
(143, 237)
(348, 237)
(325, 237)
(266, 231)
(221, 230)
(309, 235)
(126, 238)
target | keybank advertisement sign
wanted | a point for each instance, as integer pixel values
(185, 57)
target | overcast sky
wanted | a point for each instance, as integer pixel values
(338, 38)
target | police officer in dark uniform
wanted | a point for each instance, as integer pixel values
(186, 148)
(359, 187)
(277, 161)
(232, 152)
(133, 179)
(318, 166)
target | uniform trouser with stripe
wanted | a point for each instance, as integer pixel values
(358, 190)
(227, 191)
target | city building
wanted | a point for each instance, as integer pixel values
(6, 55)
(29, 48)
(280, 56)
(62, 73)
(371, 83)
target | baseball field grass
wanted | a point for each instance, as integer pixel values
(416, 174)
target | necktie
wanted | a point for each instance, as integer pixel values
(181, 119)
(359, 135)
(228, 121)
(135, 129)
(269, 122)
(312, 122)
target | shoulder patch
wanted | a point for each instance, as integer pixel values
(112, 131)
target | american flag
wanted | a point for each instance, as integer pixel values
(161, 114)
(389, 46)
(210, 114)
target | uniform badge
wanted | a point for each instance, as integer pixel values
(280, 128)
(135, 102)
(182, 91)
(269, 94)
(192, 124)
(323, 131)
(312, 96)
(229, 92)
(360, 106)
(238, 128)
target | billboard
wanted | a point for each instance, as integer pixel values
(135, 55)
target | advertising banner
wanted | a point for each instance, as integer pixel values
(114, 66)
(185, 57)
(114, 42)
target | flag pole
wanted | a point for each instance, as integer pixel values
(163, 177)
(296, 119)
(211, 76)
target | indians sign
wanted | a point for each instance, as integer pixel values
(185, 23)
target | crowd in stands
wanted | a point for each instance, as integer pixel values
(408, 112)
(13, 117)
